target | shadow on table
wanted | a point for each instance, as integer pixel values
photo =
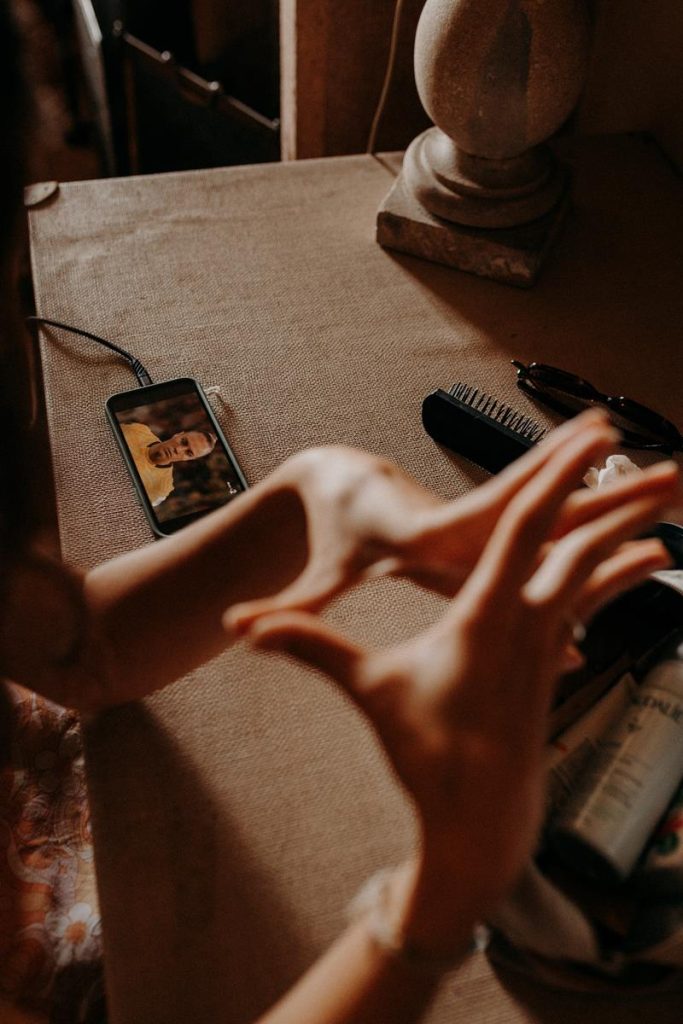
(198, 903)
(577, 996)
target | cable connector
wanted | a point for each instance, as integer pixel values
(141, 373)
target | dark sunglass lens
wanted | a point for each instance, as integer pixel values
(633, 431)
(551, 379)
(571, 400)
(649, 424)
(572, 403)
(566, 393)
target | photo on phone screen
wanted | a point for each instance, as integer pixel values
(183, 466)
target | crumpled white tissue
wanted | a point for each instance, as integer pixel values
(616, 466)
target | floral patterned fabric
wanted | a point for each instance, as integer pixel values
(50, 935)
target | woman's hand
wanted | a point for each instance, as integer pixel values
(365, 517)
(355, 506)
(462, 710)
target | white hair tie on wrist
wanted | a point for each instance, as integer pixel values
(373, 904)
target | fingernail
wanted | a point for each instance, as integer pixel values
(259, 633)
(584, 420)
(597, 413)
(605, 433)
(235, 625)
(593, 415)
(613, 433)
(659, 554)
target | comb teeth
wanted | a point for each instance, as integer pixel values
(498, 411)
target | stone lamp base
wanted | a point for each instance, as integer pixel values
(511, 255)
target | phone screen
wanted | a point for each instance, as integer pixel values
(180, 462)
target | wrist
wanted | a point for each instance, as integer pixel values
(406, 922)
(436, 914)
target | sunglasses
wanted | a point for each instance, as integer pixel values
(568, 394)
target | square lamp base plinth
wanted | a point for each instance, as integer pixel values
(511, 255)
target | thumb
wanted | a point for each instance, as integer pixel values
(316, 585)
(309, 640)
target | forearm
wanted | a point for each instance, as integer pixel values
(155, 614)
(358, 981)
(148, 617)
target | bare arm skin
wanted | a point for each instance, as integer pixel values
(325, 519)
(462, 719)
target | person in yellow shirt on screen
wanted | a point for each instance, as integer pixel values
(154, 458)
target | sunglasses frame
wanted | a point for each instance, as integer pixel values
(577, 387)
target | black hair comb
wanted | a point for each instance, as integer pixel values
(484, 430)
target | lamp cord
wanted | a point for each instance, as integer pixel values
(388, 78)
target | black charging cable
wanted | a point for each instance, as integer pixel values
(138, 369)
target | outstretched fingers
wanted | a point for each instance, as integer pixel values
(585, 504)
(438, 538)
(631, 565)
(572, 560)
(510, 480)
(512, 553)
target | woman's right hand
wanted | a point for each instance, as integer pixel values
(462, 709)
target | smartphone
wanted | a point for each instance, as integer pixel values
(178, 458)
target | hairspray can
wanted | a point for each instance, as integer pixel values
(574, 749)
(627, 786)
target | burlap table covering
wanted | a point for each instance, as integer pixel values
(237, 812)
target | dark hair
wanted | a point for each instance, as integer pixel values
(14, 119)
(14, 501)
(210, 437)
(14, 124)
